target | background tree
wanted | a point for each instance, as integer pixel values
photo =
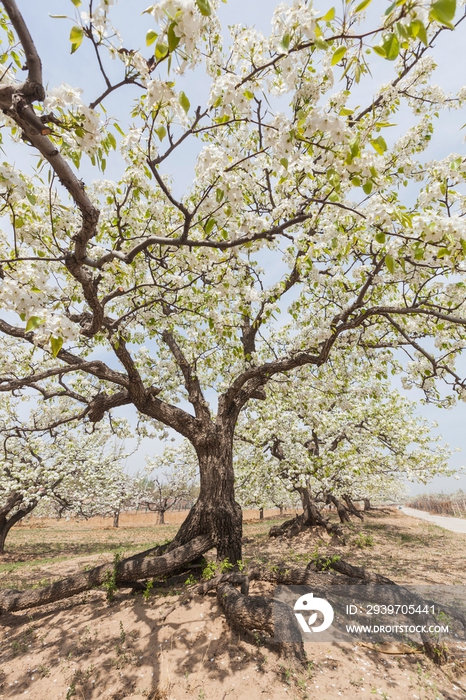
(174, 482)
(123, 291)
(335, 435)
(72, 470)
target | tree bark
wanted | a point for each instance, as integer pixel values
(367, 504)
(6, 523)
(261, 513)
(341, 509)
(310, 517)
(116, 519)
(215, 513)
(160, 517)
(352, 508)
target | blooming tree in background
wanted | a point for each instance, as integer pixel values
(335, 435)
(119, 290)
(170, 480)
(72, 470)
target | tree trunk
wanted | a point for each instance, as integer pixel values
(7, 523)
(367, 504)
(341, 510)
(160, 517)
(352, 508)
(261, 513)
(215, 513)
(310, 517)
(116, 519)
(281, 510)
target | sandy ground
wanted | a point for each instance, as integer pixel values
(452, 524)
(86, 648)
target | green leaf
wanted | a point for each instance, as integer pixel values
(184, 102)
(204, 7)
(56, 344)
(443, 11)
(390, 263)
(173, 40)
(151, 36)
(161, 50)
(248, 95)
(456, 164)
(463, 245)
(379, 145)
(418, 30)
(362, 5)
(284, 162)
(209, 226)
(33, 322)
(367, 187)
(345, 112)
(380, 50)
(219, 194)
(76, 3)
(380, 237)
(328, 15)
(161, 132)
(76, 38)
(285, 42)
(391, 47)
(338, 55)
(442, 252)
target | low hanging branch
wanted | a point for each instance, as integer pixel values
(130, 569)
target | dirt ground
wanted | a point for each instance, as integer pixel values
(86, 648)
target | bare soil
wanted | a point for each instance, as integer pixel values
(86, 648)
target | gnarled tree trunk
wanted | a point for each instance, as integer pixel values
(6, 523)
(352, 508)
(215, 513)
(310, 517)
(341, 509)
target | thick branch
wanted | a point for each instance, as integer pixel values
(130, 569)
(191, 382)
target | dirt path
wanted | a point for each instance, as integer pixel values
(452, 524)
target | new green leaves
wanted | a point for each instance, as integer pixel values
(379, 145)
(362, 5)
(204, 7)
(56, 344)
(338, 55)
(76, 38)
(391, 47)
(443, 11)
(390, 263)
(184, 102)
(33, 322)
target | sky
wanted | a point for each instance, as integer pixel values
(51, 37)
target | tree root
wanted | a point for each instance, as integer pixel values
(434, 649)
(298, 524)
(261, 613)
